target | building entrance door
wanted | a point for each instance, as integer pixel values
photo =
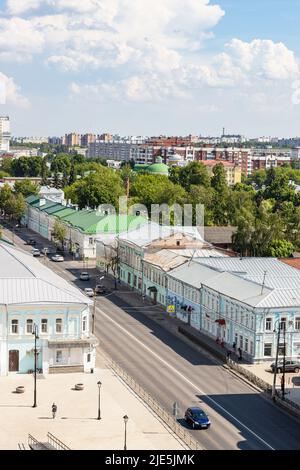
(13, 361)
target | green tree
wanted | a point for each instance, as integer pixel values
(280, 249)
(26, 188)
(15, 207)
(103, 187)
(59, 233)
(27, 166)
(195, 173)
(156, 189)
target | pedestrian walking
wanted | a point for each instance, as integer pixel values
(54, 410)
(240, 354)
(234, 346)
(228, 354)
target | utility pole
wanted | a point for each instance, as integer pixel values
(283, 365)
(276, 363)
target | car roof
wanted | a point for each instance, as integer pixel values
(196, 408)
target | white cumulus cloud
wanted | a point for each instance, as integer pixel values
(10, 92)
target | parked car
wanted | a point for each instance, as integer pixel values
(100, 289)
(290, 366)
(197, 418)
(89, 292)
(31, 242)
(35, 252)
(57, 258)
(84, 276)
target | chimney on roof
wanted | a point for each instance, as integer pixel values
(42, 202)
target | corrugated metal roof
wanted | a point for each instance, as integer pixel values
(278, 274)
(153, 231)
(200, 253)
(224, 275)
(23, 279)
(165, 259)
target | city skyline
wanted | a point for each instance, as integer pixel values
(69, 66)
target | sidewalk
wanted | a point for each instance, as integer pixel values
(76, 424)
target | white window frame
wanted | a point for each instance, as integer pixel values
(84, 324)
(297, 323)
(269, 322)
(61, 323)
(44, 321)
(27, 324)
(14, 325)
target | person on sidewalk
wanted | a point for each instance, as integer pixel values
(240, 354)
(234, 346)
(54, 410)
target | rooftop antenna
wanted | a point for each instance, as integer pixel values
(223, 132)
(191, 258)
(263, 284)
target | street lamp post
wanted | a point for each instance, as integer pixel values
(125, 421)
(99, 410)
(35, 333)
(276, 363)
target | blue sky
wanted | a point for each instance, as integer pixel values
(191, 66)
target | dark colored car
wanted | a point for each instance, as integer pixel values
(31, 242)
(197, 418)
(290, 366)
(99, 289)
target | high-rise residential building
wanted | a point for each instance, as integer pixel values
(4, 133)
(72, 140)
(105, 137)
(87, 139)
(55, 140)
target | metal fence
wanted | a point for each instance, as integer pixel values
(167, 418)
(58, 444)
(265, 386)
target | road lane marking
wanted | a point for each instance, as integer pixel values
(185, 378)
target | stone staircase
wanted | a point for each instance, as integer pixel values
(65, 369)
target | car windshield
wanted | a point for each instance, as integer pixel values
(199, 414)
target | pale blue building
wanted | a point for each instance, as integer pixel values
(31, 294)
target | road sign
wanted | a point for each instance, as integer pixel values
(171, 308)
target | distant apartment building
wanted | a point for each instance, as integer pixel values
(4, 133)
(295, 157)
(164, 141)
(110, 150)
(105, 137)
(87, 139)
(233, 171)
(24, 152)
(32, 140)
(263, 159)
(55, 140)
(72, 140)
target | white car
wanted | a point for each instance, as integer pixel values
(35, 252)
(58, 258)
(89, 292)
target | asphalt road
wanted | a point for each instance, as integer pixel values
(170, 371)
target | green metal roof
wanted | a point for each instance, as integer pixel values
(31, 199)
(64, 212)
(54, 209)
(44, 207)
(116, 224)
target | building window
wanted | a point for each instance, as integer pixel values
(241, 341)
(134, 280)
(91, 241)
(129, 278)
(297, 323)
(59, 357)
(251, 348)
(88, 358)
(84, 324)
(268, 324)
(283, 323)
(15, 327)
(58, 325)
(44, 325)
(246, 344)
(268, 349)
(29, 326)
(281, 349)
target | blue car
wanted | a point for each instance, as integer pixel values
(197, 418)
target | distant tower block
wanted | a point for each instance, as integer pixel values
(223, 131)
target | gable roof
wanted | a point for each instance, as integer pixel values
(24, 280)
